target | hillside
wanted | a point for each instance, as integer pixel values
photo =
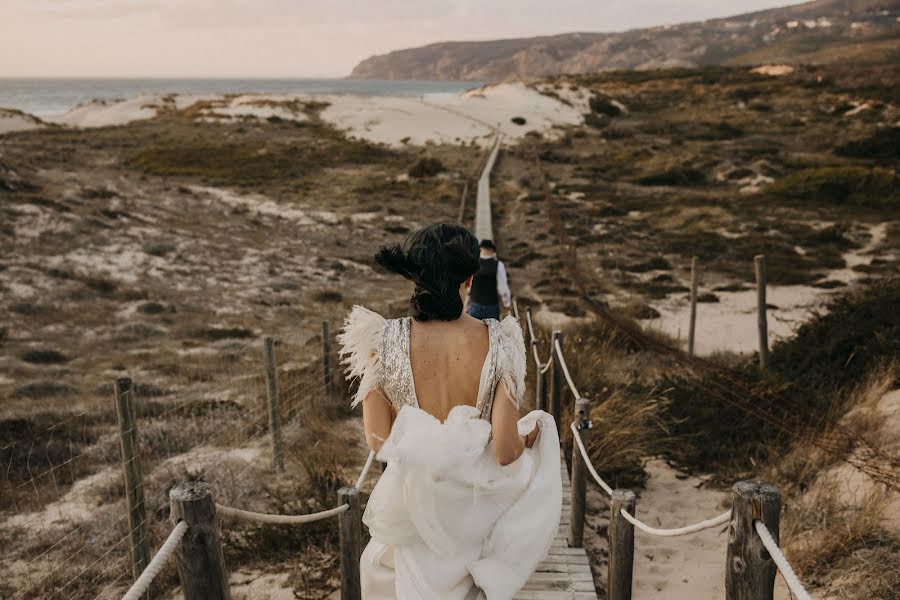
(817, 32)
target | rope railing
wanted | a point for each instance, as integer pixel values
(142, 584)
(276, 519)
(587, 461)
(687, 529)
(781, 562)
(273, 519)
(565, 369)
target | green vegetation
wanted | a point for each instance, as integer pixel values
(884, 144)
(810, 376)
(604, 105)
(426, 167)
(856, 186)
(250, 162)
(837, 348)
(674, 176)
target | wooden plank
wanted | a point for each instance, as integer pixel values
(565, 574)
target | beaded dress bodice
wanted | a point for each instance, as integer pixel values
(396, 369)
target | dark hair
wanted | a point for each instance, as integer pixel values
(489, 244)
(437, 258)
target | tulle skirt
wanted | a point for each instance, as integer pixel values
(447, 522)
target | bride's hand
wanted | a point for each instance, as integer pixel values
(531, 438)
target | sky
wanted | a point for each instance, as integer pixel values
(292, 38)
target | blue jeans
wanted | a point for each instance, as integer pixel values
(484, 311)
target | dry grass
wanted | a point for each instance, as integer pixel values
(626, 430)
(835, 521)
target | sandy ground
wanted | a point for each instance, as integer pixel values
(731, 323)
(685, 567)
(14, 120)
(470, 117)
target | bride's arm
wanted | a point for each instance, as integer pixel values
(377, 418)
(508, 444)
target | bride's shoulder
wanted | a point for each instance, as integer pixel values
(507, 333)
(360, 347)
(361, 333)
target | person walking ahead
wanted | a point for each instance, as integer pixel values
(490, 285)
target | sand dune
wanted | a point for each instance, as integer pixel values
(471, 117)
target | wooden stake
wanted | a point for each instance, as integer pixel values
(760, 264)
(134, 479)
(201, 563)
(350, 533)
(557, 378)
(579, 476)
(749, 570)
(274, 408)
(462, 201)
(326, 361)
(695, 275)
(621, 546)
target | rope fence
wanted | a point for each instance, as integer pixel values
(162, 557)
(783, 565)
(623, 502)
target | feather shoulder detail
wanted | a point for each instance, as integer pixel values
(360, 349)
(512, 361)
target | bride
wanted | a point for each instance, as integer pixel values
(470, 500)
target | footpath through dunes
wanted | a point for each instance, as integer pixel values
(566, 572)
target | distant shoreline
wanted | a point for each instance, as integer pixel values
(51, 96)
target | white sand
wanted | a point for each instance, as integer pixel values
(731, 324)
(103, 114)
(690, 567)
(472, 116)
(14, 120)
(774, 70)
(679, 568)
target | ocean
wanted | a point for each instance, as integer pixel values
(49, 97)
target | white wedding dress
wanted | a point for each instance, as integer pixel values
(447, 522)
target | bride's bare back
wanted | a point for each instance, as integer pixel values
(447, 358)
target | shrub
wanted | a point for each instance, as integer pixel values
(43, 389)
(222, 333)
(604, 105)
(596, 121)
(884, 144)
(328, 296)
(651, 264)
(836, 348)
(674, 176)
(45, 357)
(860, 186)
(518, 120)
(426, 167)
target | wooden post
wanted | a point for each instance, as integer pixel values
(350, 533)
(695, 275)
(749, 570)
(201, 564)
(462, 200)
(274, 409)
(760, 264)
(621, 546)
(540, 387)
(579, 476)
(326, 360)
(134, 479)
(556, 378)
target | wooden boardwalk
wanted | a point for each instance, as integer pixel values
(565, 574)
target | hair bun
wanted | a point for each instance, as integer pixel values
(437, 258)
(394, 259)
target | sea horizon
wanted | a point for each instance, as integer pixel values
(52, 96)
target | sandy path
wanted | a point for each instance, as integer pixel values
(731, 323)
(679, 568)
